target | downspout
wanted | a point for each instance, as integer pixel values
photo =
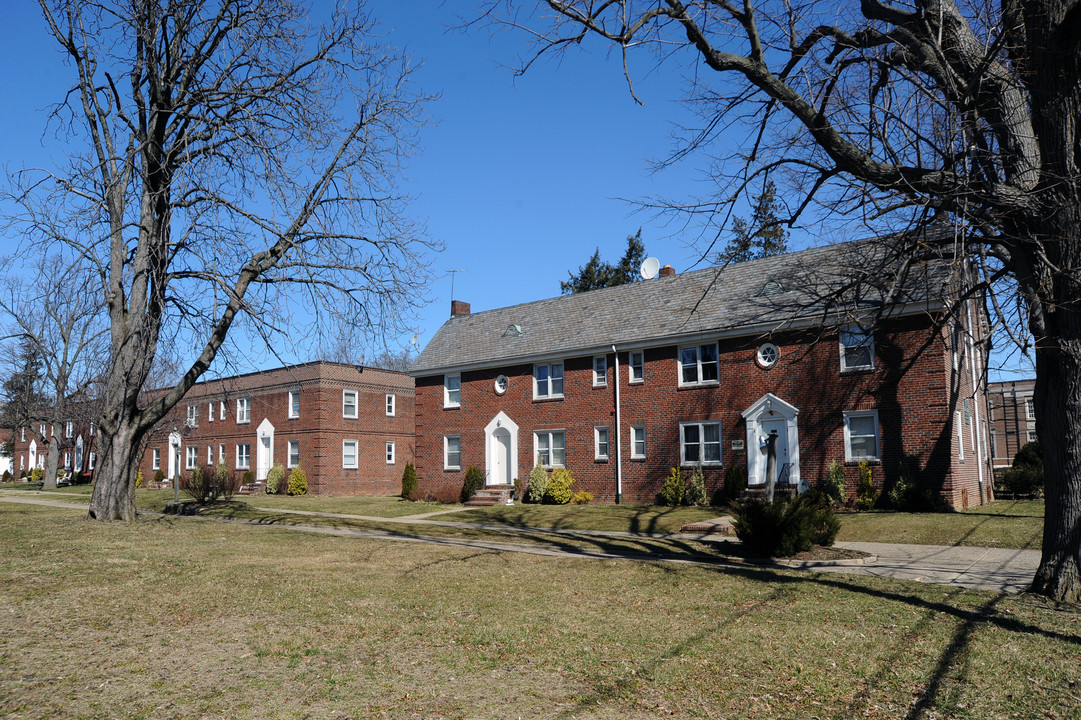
(975, 405)
(619, 436)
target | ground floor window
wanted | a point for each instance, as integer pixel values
(700, 443)
(243, 456)
(600, 443)
(155, 461)
(638, 442)
(551, 448)
(452, 452)
(349, 453)
(294, 454)
(861, 435)
(390, 453)
(191, 457)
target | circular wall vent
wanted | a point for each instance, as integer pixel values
(767, 355)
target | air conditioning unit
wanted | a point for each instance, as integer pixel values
(190, 423)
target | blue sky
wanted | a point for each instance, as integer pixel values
(520, 178)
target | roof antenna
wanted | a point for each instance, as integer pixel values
(451, 272)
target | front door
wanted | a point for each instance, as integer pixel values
(500, 474)
(264, 449)
(780, 426)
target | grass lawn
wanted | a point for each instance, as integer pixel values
(181, 618)
(1006, 523)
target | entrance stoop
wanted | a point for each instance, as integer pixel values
(491, 495)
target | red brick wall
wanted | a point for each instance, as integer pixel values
(911, 390)
(320, 427)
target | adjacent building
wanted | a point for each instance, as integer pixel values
(1012, 418)
(350, 427)
(821, 348)
(74, 441)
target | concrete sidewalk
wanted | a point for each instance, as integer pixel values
(996, 569)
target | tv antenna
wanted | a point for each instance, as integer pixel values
(650, 267)
(451, 273)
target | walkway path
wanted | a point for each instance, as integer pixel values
(997, 569)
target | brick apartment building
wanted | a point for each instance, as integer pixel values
(75, 443)
(623, 383)
(1012, 419)
(349, 426)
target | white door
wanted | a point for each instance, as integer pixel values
(262, 461)
(500, 474)
(781, 427)
(33, 454)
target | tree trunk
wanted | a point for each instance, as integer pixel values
(114, 486)
(48, 482)
(1057, 401)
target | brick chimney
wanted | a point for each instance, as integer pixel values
(458, 307)
(667, 271)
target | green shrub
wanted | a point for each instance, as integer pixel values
(559, 487)
(159, 476)
(735, 482)
(36, 474)
(834, 484)
(671, 493)
(298, 481)
(696, 488)
(224, 483)
(7, 476)
(906, 495)
(248, 478)
(199, 486)
(1025, 477)
(784, 527)
(275, 480)
(409, 481)
(865, 488)
(581, 498)
(538, 484)
(517, 489)
(138, 479)
(474, 481)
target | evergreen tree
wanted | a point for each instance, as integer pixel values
(596, 273)
(23, 396)
(760, 237)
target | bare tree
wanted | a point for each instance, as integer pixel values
(54, 310)
(896, 114)
(233, 166)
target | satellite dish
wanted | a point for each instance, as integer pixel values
(650, 267)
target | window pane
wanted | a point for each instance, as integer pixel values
(689, 360)
(709, 363)
(559, 455)
(690, 434)
(557, 384)
(863, 447)
(861, 425)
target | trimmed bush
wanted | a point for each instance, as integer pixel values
(581, 498)
(517, 489)
(275, 480)
(298, 482)
(248, 478)
(409, 481)
(7, 476)
(159, 476)
(906, 495)
(559, 487)
(224, 483)
(445, 495)
(785, 527)
(36, 474)
(138, 479)
(671, 493)
(538, 484)
(834, 484)
(696, 488)
(199, 486)
(1026, 475)
(474, 481)
(735, 482)
(865, 488)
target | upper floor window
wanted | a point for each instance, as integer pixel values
(294, 403)
(391, 402)
(1030, 409)
(23, 434)
(548, 380)
(192, 419)
(221, 410)
(551, 448)
(698, 364)
(861, 435)
(857, 349)
(637, 367)
(41, 431)
(349, 403)
(69, 429)
(243, 410)
(210, 411)
(700, 443)
(452, 391)
(600, 443)
(600, 371)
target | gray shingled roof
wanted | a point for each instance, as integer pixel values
(829, 284)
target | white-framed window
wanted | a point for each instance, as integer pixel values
(67, 460)
(209, 454)
(243, 410)
(698, 365)
(767, 355)
(155, 459)
(638, 442)
(452, 391)
(294, 403)
(548, 380)
(221, 453)
(700, 443)
(861, 435)
(210, 411)
(960, 436)
(22, 463)
(390, 452)
(994, 446)
(221, 410)
(1032, 436)
(600, 443)
(452, 452)
(600, 370)
(349, 403)
(636, 367)
(349, 453)
(90, 461)
(243, 456)
(52, 430)
(23, 434)
(1030, 409)
(391, 405)
(857, 349)
(550, 448)
(193, 420)
(292, 457)
(41, 431)
(191, 457)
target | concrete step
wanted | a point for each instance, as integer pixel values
(491, 495)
